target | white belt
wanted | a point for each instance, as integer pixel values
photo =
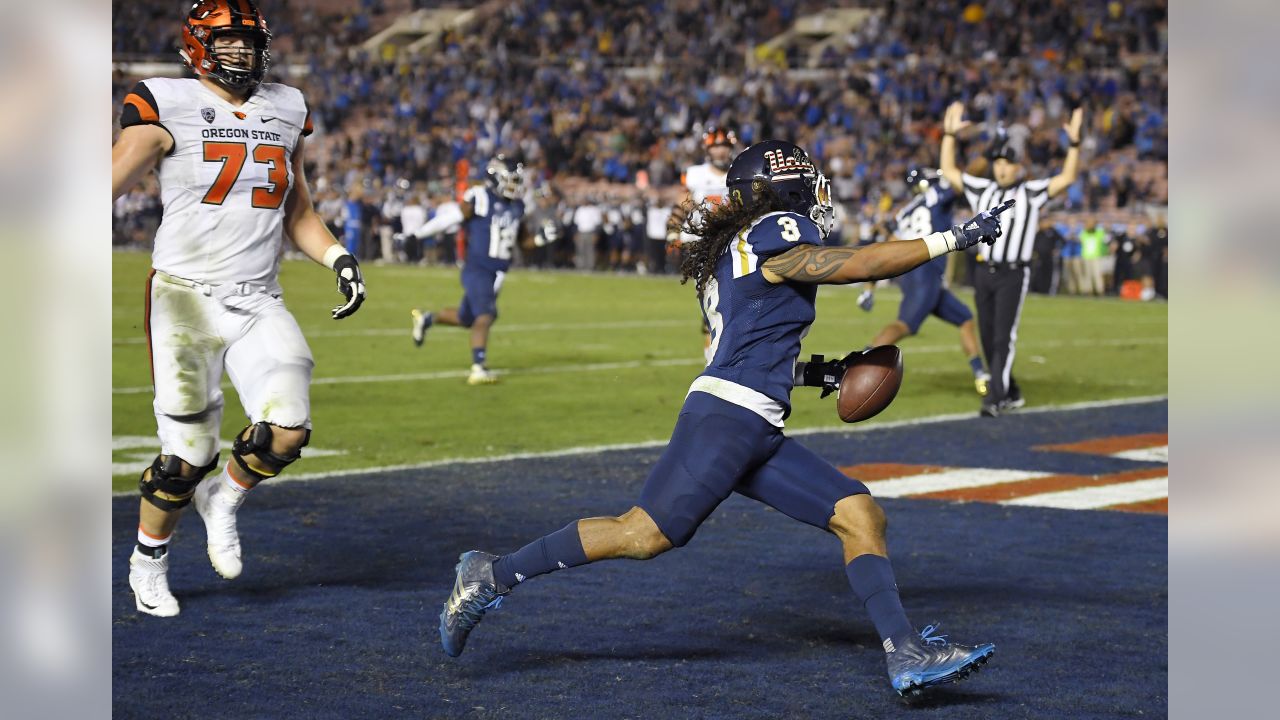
(219, 291)
(742, 396)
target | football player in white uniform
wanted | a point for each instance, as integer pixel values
(229, 151)
(705, 185)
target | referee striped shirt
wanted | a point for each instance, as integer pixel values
(1019, 223)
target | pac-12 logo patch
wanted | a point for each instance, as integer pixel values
(207, 114)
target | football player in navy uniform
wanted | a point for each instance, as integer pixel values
(491, 215)
(923, 290)
(757, 267)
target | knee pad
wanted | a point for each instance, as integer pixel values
(253, 454)
(164, 486)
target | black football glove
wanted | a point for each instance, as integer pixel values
(983, 227)
(350, 284)
(826, 374)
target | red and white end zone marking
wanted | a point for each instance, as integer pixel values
(1139, 490)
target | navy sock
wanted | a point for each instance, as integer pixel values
(975, 363)
(477, 356)
(154, 553)
(557, 551)
(871, 578)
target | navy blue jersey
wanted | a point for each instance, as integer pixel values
(493, 229)
(927, 213)
(756, 326)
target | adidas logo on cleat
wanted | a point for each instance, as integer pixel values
(888, 645)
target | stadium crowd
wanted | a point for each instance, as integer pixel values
(605, 103)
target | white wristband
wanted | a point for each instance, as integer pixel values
(940, 243)
(331, 255)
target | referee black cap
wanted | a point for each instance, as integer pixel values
(1002, 149)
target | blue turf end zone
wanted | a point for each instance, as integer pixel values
(335, 614)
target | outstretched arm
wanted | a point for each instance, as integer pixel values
(447, 216)
(840, 266)
(1071, 166)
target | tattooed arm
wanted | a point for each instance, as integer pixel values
(840, 266)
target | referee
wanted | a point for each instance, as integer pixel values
(1004, 270)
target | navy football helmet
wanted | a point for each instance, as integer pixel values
(505, 177)
(787, 170)
(921, 177)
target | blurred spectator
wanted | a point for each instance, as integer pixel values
(413, 215)
(588, 221)
(603, 91)
(1046, 259)
(353, 213)
(655, 229)
(1093, 249)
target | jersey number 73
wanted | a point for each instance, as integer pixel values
(232, 156)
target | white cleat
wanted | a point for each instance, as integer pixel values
(481, 375)
(149, 580)
(217, 506)
(421, 321)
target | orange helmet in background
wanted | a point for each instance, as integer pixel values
(211, 19)
(716, 135)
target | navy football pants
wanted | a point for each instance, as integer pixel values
(718, 448)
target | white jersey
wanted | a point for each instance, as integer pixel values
(225, 182)
(706, 183)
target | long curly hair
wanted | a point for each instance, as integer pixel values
(716, 226)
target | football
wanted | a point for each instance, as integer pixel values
(870, 384)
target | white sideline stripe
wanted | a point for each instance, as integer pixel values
(1153, 454)
(956, 479)
(629, 325)
(529, 327)
(590, 449)
(629, 365)
(1093, 498)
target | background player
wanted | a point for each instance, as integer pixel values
(229, 149)
(757, 266)
(492, 214)
(704, 185)
(923, 289)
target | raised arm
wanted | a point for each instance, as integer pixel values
(952, 122)
(840, 266)
(1071, 166)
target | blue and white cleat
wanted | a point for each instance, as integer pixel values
(919, 664)
(421, 323)
(474, 592)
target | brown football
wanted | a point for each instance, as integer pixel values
(870, 384)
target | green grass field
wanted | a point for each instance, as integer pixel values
(591, 360)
